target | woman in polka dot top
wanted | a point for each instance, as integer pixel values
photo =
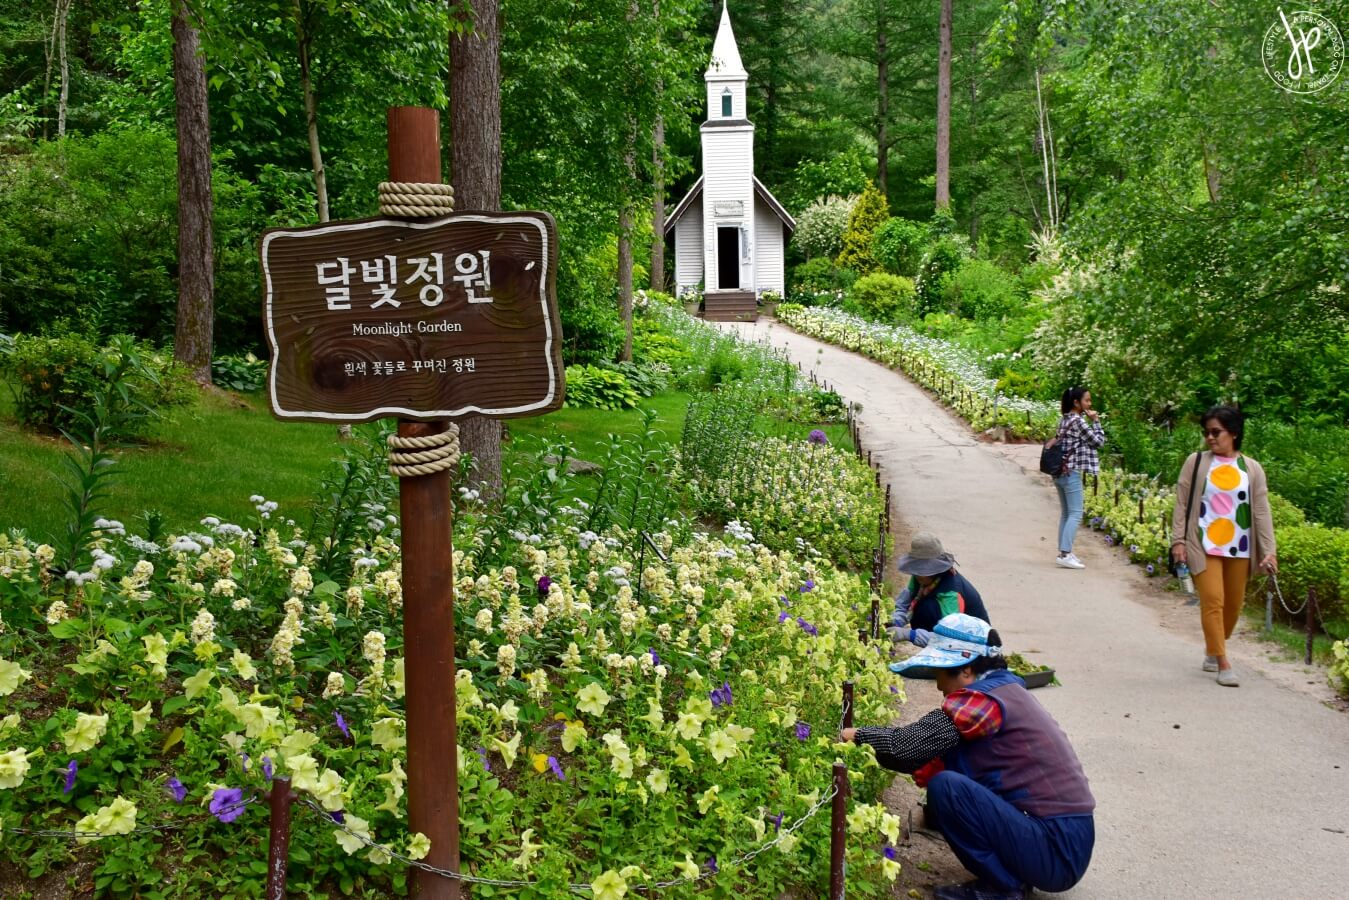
(1222, 529)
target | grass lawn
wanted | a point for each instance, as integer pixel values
(210, 458)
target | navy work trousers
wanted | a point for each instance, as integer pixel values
(1000, 844)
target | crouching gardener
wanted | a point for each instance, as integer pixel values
(1003, 784)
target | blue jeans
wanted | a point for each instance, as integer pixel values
(1070, 508)
(999, 843)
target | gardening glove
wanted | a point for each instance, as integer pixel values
(918, 637)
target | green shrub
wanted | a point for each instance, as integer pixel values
(898, 245)
(652, 346)
(723, 367)
(245, 374)
(1313, 556)
(882, 297)
(818, 282)
(597, 388)
(647, 380)
(868, 213)
(944, 256)
(981, 291)
(58, 379)
(1284, 513)
(588, 303)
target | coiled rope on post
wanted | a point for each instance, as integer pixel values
(415, 199)
(426, 455)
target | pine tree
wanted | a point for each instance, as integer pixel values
(868, 213)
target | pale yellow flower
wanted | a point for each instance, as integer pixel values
(297, 742)
(85, 733)
(573, 736)
(350, 842)
(328, 790)
(156, 653)
(721, 745)
(593, 699)
(507, 749)
(528, 849)
(708, 798)
(197, 683)
(141, 717)
(304, 773)
(689, 725)
(688, 868)
(387, 734)
(653, 713)
(243, 664)
(658, 781)
(609, 886)
(259, 721)
(11, 676)
(419, 845)
(13, 767)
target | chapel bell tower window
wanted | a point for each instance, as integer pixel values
(726, 103)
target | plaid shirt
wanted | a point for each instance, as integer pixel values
(918, 748)
(1081, 439)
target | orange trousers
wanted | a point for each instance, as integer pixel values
(1222, 590)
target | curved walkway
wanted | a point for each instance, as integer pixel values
(1202, 791)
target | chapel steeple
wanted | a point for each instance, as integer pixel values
(726, 76)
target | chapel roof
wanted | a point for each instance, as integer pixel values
(725, 61)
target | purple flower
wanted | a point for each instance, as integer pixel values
(722, 696)
(243, 762)
(818, 437)
(711, 865)
(1151, 569)
(807, 627)
(342, 725)
(1109, 541)
(893, 689)
(777, 822)
(890, 853)
(227, 804)
(808, 586)
(784, 601)
(267, 767)
(802, 731)
(339, 817)
(556, 767)
(1133, 548)
(783, 616)
(177, 789)
(72, 769)
(655, 658)
(544, 584)
(483, 753)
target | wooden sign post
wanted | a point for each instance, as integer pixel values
(426, 320)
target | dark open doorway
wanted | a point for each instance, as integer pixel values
(728, 259)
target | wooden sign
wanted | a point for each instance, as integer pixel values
(421, 320)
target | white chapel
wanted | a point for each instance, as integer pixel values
(729, 231)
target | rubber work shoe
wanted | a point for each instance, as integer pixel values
(977, 890)
(1228, 678)
(1210, 664)
(1069, 562)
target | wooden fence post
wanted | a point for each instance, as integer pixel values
(278, 837)
(838, 834)
(1311, 622)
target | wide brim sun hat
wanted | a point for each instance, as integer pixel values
(926, 556)
(957, 640)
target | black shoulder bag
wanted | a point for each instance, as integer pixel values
(1189, 505)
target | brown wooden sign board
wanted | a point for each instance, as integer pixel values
(421, 320)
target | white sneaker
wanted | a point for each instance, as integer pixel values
(1228, 678)
(1210, 664)
(1069, 562)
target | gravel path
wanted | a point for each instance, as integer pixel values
(1202, 791)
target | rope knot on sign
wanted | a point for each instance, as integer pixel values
(426, 455)
(415, 199)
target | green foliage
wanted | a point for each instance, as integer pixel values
(881, 297)
(60, 379)
(820, 227)
(981, 291)
(587, 298)
(898, 245)
(838, 175)
(88, 232)
(870, 210)
(592, 386)
(244, 373)
(943, 257)
(818, 282)
(655, 347)
(1313, 556)
(647, 379)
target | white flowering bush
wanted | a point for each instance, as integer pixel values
(618, 724)
(820, 227)
(954, 374)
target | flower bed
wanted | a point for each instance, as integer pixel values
(616, 727)
(949, 371)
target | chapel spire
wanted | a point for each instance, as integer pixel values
(725, 63)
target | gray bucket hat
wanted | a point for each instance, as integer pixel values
(926, 556)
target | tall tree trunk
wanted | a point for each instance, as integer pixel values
(625, 272)
(196, 281)
(475, 129)
(658, 206)
(303, 38)
(62, 16)
(944, 110)
(974, 133)
(1047, 158)
(882, 104)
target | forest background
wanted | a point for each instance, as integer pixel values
(1125, 198)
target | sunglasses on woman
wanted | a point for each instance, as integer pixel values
(1214, 433)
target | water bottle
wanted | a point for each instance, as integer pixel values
(1183, 575)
